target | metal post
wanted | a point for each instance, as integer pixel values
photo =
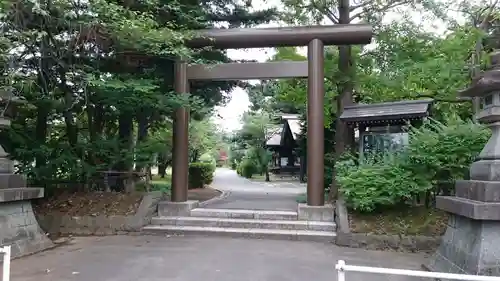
(6, 263)
(340, 268)
(315, 124)
(180, 139)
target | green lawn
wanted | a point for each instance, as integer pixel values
(162, 184)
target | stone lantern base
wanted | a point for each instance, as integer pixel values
(18, 225)
(471, 244)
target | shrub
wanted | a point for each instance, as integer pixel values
(209, 159)
(377, 184)
(234, 165)
(248, 168)
(436, 153)
(440, 151)
(200, 174)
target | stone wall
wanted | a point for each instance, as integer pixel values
(58, 223)
(19, 228)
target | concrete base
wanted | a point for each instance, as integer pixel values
(19, 228)
(176, 209)
(316, 213)
(468, 247)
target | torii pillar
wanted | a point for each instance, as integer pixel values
(315, 37)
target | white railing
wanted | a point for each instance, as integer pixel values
(5, 250)
(342, 268)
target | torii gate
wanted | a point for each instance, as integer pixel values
(315, 37)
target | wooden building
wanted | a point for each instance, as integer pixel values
(284, 145)
(382, 125)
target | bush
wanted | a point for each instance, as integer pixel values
(200, 174)
(436, 153)
(208, 159)
(377, 184)
(248, 168)
(442, 152)
(234, 166)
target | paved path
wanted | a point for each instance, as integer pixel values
(154, 258)
(245, 194)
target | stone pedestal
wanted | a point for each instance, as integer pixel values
(468, 247)
(176, 209)
(18, 225)
(471, 244)
(316, 213)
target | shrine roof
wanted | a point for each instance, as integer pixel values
(387, 112)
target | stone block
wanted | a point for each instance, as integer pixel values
(469, 247)
(12, 181)
(168, 208)
(485, 191)
(6, 166)
(469, 208)
(19, 228)
(316, 213)
(18, 194)
(485, 170)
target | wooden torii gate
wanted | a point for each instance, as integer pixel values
(315, 37)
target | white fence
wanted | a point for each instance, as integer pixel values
(342, 268)
(5, 250)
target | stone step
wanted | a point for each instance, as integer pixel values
(244, 214)
(278, 234)
(244, 223)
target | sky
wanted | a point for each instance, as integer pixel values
(229, 115)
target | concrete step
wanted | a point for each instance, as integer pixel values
(278, 234)
(244, 214)
(245, 223)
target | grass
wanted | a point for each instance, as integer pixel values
(161, 184)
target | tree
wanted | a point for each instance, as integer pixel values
(257, 128)
(341, 12)
(97, 78)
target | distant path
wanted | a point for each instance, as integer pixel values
(245, 194)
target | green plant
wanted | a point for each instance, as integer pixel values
(248, 168)
(234, 165)
(209, 159)
(437, 153)
(377, 184)
(200, 174)
(444, 152)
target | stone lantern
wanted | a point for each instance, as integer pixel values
(18, 225)
(471, 244)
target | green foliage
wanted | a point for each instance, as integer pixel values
(97, 80)
(208, 159)
(248, 168)
(200, 174)
(436, 152)
(375, 184)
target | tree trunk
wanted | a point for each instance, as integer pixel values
(267, 174)
(125, 133)
(142, 134)
(344, 136)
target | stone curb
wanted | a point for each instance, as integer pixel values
(222, 196)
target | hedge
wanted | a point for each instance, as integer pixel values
(200, 174)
